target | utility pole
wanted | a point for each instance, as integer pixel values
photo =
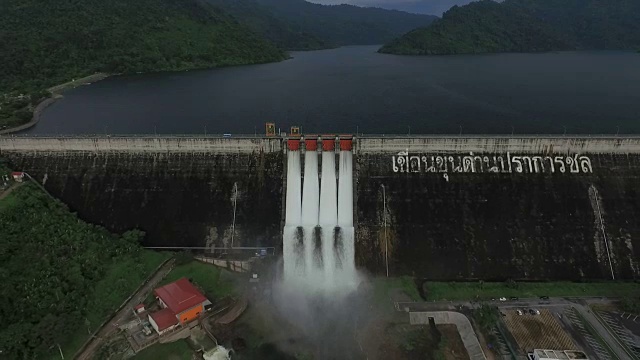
(235, 201)
(386, 239)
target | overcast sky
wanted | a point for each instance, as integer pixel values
(435, 7)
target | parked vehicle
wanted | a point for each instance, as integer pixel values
(519, 312)
(513, 298)
(544, 297)
(534, 311)
(503, 299)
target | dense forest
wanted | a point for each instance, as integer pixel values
(526, 26)
(261, 20)
(593, 24)
(479, 27)
(61, 277)
(346, 24)
(45, 43)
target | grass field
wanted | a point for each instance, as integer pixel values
(473, 290)
(178, 350)
(384, 288)
(215, 282)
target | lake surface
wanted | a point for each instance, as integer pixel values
(354, 88)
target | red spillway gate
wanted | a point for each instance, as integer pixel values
(293, 144)
(328, 142)
(346, 143)
(311, 144)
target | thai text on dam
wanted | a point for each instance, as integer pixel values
(404, 162)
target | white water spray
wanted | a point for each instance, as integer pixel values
(310, 211)
(345, 213)
(319, 233)
(293, 214)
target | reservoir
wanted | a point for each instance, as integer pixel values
(355, 89)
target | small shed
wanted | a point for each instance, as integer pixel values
(18, 176)
(139, 308)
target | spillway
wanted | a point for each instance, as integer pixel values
(319, 233)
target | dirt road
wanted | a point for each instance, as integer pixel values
(109, 328)
(11, 188)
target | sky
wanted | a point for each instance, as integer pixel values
(434, 7)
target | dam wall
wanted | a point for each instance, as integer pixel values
(142, 144)
(524, 144)
(497, 208)
(179, 191)
(457, 207)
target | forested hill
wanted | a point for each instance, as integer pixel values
(346, 24)
(261, 20)
(479, 27)
(44, 43)
(593, 24)
(526, 26)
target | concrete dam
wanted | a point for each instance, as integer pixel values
(445, 208)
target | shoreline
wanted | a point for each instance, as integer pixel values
(56, 94)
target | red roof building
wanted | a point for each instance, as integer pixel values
(180, 299)
(17, 176)
(163, 320)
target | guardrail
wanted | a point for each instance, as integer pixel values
(360, 136)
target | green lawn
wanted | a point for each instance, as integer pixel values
(178, 350)
(215, 282)
(383, 288)
(471, 290)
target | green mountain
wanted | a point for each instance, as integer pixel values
(526, 26)
(346, 24)
(479, 27)
(592, 24)
(44, 43)
(261, 20)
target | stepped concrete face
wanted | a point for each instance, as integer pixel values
(470, 207)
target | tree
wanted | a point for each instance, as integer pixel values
(487, 316)
(630, 304)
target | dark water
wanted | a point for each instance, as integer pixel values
(352, 88)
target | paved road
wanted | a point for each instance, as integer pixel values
(613, 343)
(109, 328)
(463, 325)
